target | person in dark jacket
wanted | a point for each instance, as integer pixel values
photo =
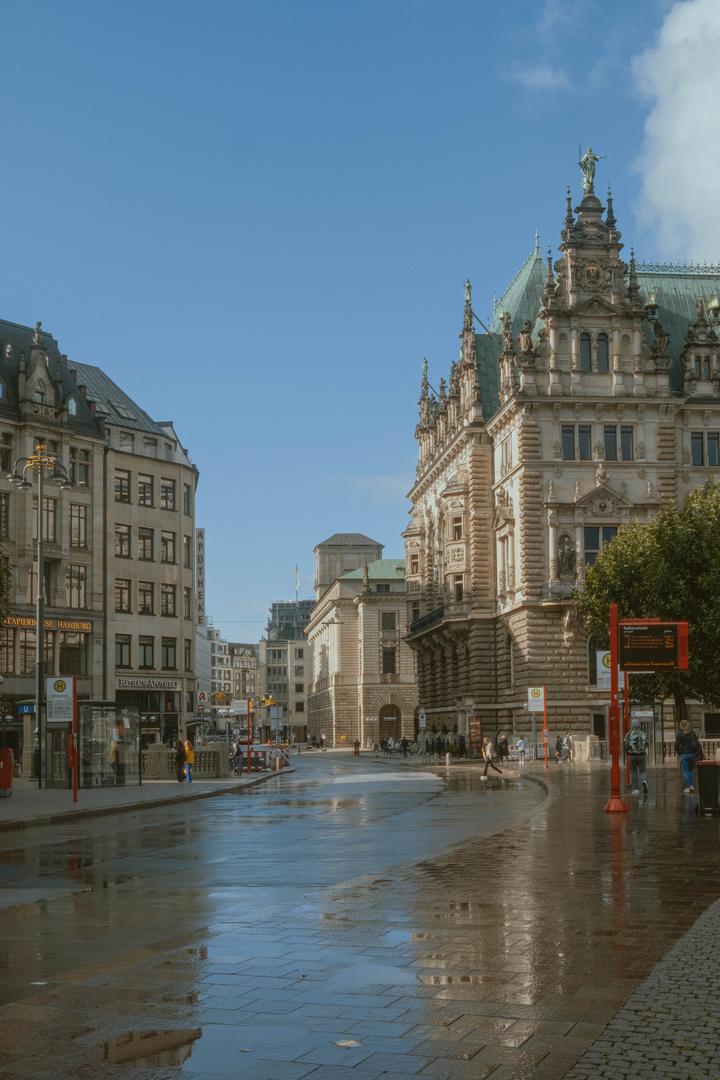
(685, 747)
(503, 749)
(180, 759)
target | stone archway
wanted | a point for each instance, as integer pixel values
(390, 722)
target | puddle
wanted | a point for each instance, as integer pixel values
(371, 975)
(398, 935)
(151, 1049)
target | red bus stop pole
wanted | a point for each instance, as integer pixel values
(615, 803)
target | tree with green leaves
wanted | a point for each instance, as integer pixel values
(667, 569)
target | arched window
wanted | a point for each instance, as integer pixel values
(706, 367)
(602, 352)
(585, 364)
(698, 374)
(72, 406)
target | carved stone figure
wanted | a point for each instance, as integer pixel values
(37, 336)
(525, 339)
(566, 555)
(601, 475)
(507, 334)
(587, 166)
(662, 340)
(468, 292)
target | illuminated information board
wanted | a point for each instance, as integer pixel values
(649, 645)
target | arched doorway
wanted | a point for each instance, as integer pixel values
(389, 719)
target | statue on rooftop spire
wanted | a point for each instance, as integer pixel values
(468, 292)
(37, 336)
(587, 166)
(425, 367)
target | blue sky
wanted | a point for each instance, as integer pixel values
(257, 218)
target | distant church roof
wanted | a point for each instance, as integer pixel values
(349, 540)
(380, 570)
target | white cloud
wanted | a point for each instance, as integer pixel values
(679, 160)
(386, 489)
(538, 76)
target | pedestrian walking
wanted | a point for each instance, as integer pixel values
(463, 746)
(635, 745)
(503, 750)
(567, 747)
(558, 749)
(189, 760)
(404, 744)
(686, 747)
(489, 754)
(522, 747)
(180, 761)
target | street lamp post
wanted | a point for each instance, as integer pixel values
(40, 462)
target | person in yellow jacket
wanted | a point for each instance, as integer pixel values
(189, 760)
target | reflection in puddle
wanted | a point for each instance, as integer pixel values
(371, 975)
(151, 1048)
(446, 980)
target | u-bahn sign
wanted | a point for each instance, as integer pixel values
(650, 645)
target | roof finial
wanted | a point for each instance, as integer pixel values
(610, 218)
(468, 292)
(37, 337)
(537, 241)
(569, 220)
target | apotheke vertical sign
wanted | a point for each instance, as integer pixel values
(200, 575)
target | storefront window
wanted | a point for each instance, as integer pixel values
(109, 744)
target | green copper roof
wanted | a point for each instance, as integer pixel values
(381, 569)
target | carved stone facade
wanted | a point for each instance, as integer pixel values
(594, 400)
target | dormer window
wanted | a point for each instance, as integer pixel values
(39, 394)
(72, 407)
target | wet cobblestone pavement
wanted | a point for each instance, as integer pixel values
(346, 925)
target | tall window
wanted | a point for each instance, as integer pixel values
(167, 547)
(6, 452)
(146, 598)
(187, 603)
(26, 652)
(387, 620)
(122, 486)
(7, 650)
(596, 537)
(168, 653)
(187, 499)
(187, 550)
(389, 661)
(626, 443)
(188, 654)
(145, 652)
(122, 594)
(610, 439)
(458, 586)
(48, 516)
(568, 442)
(146, 544)
(79, 466)
(704, 448)
(122, 541)
(75, 582)
(122, 650)
(584, 442)
(74, 649)
(602, 353)
(78, 525)
(414, 564)
(457, 529)
(167, 599)
(167, 494)
(4, 513)
(145, 489)
(585, 361)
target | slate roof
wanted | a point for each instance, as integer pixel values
(381, 569)
(113, 403)
(349, 540)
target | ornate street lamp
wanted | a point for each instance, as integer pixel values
(41, 463)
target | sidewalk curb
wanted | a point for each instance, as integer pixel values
(152, 804)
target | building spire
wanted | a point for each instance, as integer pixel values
(537, 241)
(610, 217)
(424, 384)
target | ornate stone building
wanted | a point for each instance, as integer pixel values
(593, 399)
(363, 673)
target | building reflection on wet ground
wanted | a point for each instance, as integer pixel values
(345, 923)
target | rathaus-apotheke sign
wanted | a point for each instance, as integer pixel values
(148, 684)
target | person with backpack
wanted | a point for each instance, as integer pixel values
(686, 747)
(635, 746)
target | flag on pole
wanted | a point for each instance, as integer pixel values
(297, 581)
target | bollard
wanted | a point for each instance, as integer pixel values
(448, 760)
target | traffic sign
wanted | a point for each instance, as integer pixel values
(422, 721)
(604, 674)
(536, 698)
(201, 707)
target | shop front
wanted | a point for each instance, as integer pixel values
(160, 705)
